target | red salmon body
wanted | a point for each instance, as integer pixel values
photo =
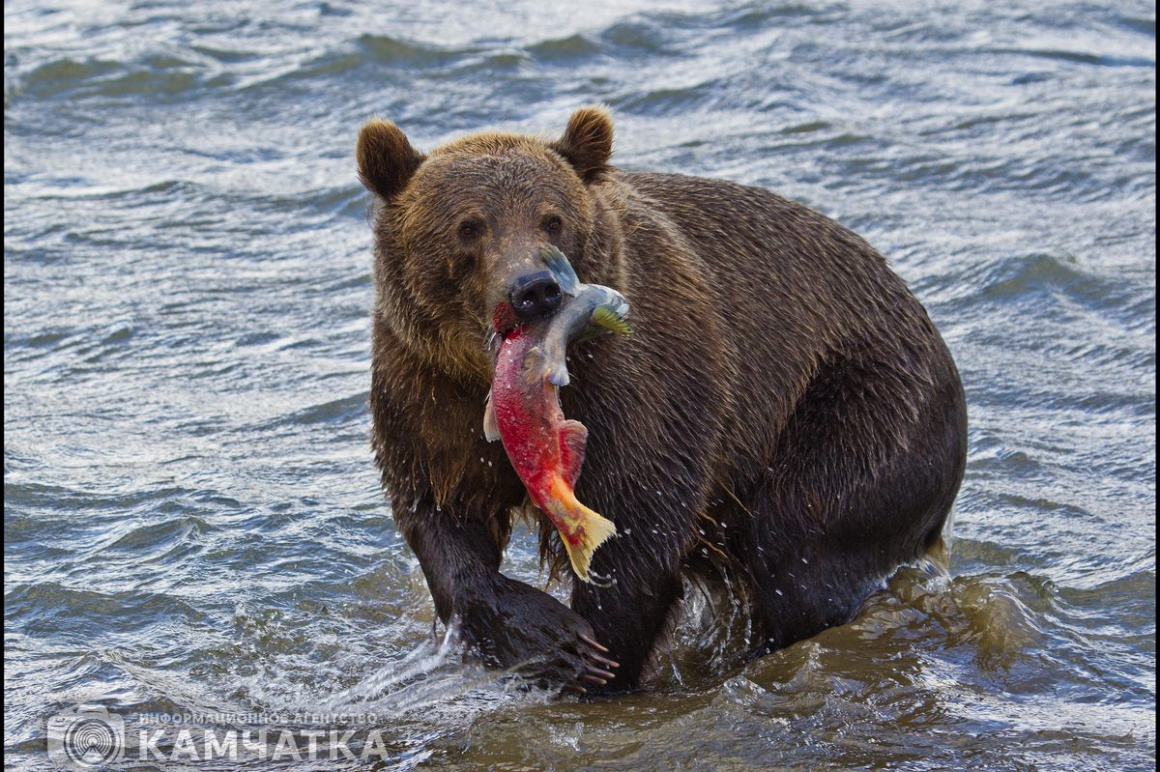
(528, 415)
(546, 449)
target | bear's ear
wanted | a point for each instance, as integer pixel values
(587, 142)
(386, 159)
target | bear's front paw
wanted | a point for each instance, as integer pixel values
(537, 636)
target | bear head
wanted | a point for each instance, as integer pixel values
(459, 231)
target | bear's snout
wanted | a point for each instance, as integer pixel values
(535, 296)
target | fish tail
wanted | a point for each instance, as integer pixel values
(597, 530)
(592, 528)
(564, 273)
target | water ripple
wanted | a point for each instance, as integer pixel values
(193, 519)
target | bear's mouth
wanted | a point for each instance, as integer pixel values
(504, 320)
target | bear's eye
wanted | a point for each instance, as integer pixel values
(553, 224)
(470, 229)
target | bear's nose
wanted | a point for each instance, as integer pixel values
(535, 296)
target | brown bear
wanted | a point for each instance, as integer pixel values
(784, 406)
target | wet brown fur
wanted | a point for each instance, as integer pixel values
(784, 401)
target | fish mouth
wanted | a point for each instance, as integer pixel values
(503, 323)
(503, 319)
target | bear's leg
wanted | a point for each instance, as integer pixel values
(629, 615)
(511, 624)
(861, 482)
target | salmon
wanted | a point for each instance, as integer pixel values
(523, 409)
(592, 310)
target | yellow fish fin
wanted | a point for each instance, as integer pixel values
(610, 320)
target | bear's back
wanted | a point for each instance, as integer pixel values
(796, 293)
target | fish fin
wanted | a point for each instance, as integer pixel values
(490, 425)
(597, 530)
(558, 264)
(559, 377)
(556, 364)
(534, 363)
(608, 319)
(592, 332)
(573, 441)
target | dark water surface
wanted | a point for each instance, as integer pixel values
(192, 521)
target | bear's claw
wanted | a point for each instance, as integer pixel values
(595, 645)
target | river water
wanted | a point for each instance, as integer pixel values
(192, 521)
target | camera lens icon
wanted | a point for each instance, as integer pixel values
(85, 738)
